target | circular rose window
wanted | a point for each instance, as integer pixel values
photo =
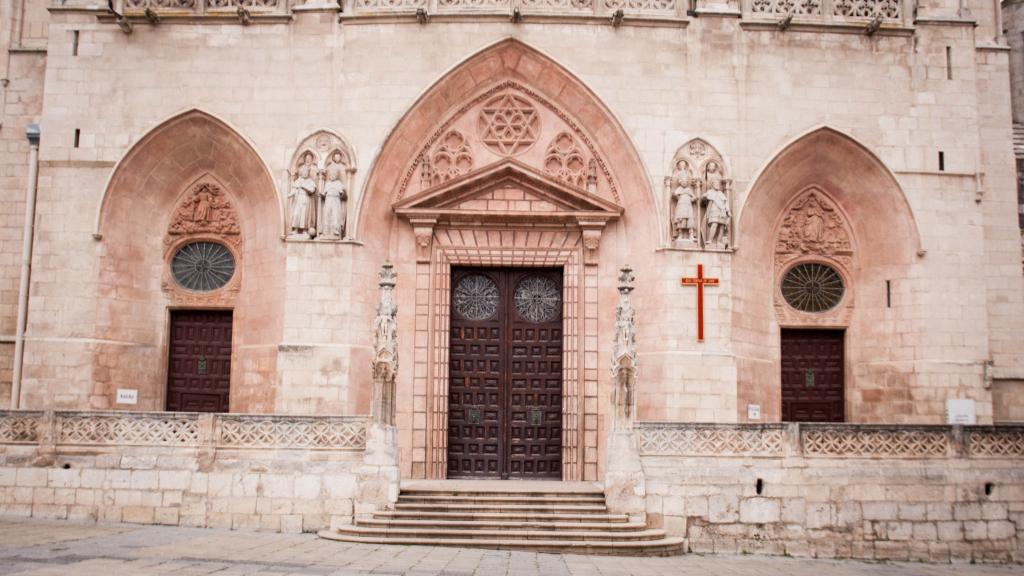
(202, 266)
(813, 287)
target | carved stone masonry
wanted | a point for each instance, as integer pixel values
(318, 186)
(813, 226)
(385, 350)
(624, 359)
(699, 196)
(205, 210)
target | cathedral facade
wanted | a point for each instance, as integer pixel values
(432, 211)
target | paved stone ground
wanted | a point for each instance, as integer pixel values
(54, 548)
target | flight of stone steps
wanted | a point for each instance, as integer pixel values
(545, 517)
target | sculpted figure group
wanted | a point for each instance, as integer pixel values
(698, 196)
(700, 211)
(318, 198)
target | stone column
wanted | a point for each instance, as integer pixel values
(379, 474)
(625, 484)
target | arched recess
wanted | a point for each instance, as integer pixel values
(886, 245)
(134, 226)
(587, 167)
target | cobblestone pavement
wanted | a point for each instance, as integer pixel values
(55, 548)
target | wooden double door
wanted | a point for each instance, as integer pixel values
(505, 374)
(812, 376)
(199, 366)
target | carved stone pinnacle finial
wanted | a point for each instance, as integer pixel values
(387, 274)
(626, 279)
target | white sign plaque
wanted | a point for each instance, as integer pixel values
(753, 411)
(127, 396)
(960, 411)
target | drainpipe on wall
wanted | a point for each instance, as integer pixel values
(32, 132)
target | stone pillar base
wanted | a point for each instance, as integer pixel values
(625, 486)
(378, 477)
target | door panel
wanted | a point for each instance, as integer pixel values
(505, 374)
(812, 376)
(199, 363)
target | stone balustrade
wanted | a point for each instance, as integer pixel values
(183, 429)
(766, 12)
(830, 440)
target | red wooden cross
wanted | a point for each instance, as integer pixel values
(699, 282)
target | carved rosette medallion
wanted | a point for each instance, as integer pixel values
(813, 258)
(475, 297)
(538, 299)
(508, 124)
(203, 236)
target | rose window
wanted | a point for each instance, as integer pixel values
(202, 266)
(813, 287)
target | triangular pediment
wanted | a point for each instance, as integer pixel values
(507, 192)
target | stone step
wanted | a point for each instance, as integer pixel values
(518, 516)
(490, 499)
(660, 547)
(491, 534)
(501, 524)
(539, 507)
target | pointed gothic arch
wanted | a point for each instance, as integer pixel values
(137, 227)
(884, 246)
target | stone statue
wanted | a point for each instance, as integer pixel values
(202, 206)
(385, 350)
(335, 199)
(624, 353)
(302, 215)
(716, 214)
(684, 221)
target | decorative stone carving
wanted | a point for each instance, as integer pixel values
(813, 226)
(259, 431)
(206, 209)
(385, 350)
(451, 158)
(856, 442)
(786, 7)
(699, 196)
(508, 124)
(564, 160)
(624, 357)
(318, 186)
(891, 9)
(335, 198)
(690, 439)
(154, 429)
(302, 198)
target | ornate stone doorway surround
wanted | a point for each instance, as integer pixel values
(539, 222)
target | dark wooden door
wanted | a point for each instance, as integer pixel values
(812, 376)
(199, 367)
(505, 374)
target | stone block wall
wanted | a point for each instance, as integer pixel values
(287, 474)
(923, 493)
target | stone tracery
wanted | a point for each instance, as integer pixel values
(565, 161)
(508, 124)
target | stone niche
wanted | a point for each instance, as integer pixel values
(317, 189)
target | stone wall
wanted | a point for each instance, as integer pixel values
(923, 493)
(287, 474)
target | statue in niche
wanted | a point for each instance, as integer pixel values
(335, 198)
(624, 356)
(684, 229)
(302, 216)
(202, 206)
(385, 349)
(716, 214)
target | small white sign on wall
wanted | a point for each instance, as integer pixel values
(753, 411)
(127, 396)
(961, 411)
